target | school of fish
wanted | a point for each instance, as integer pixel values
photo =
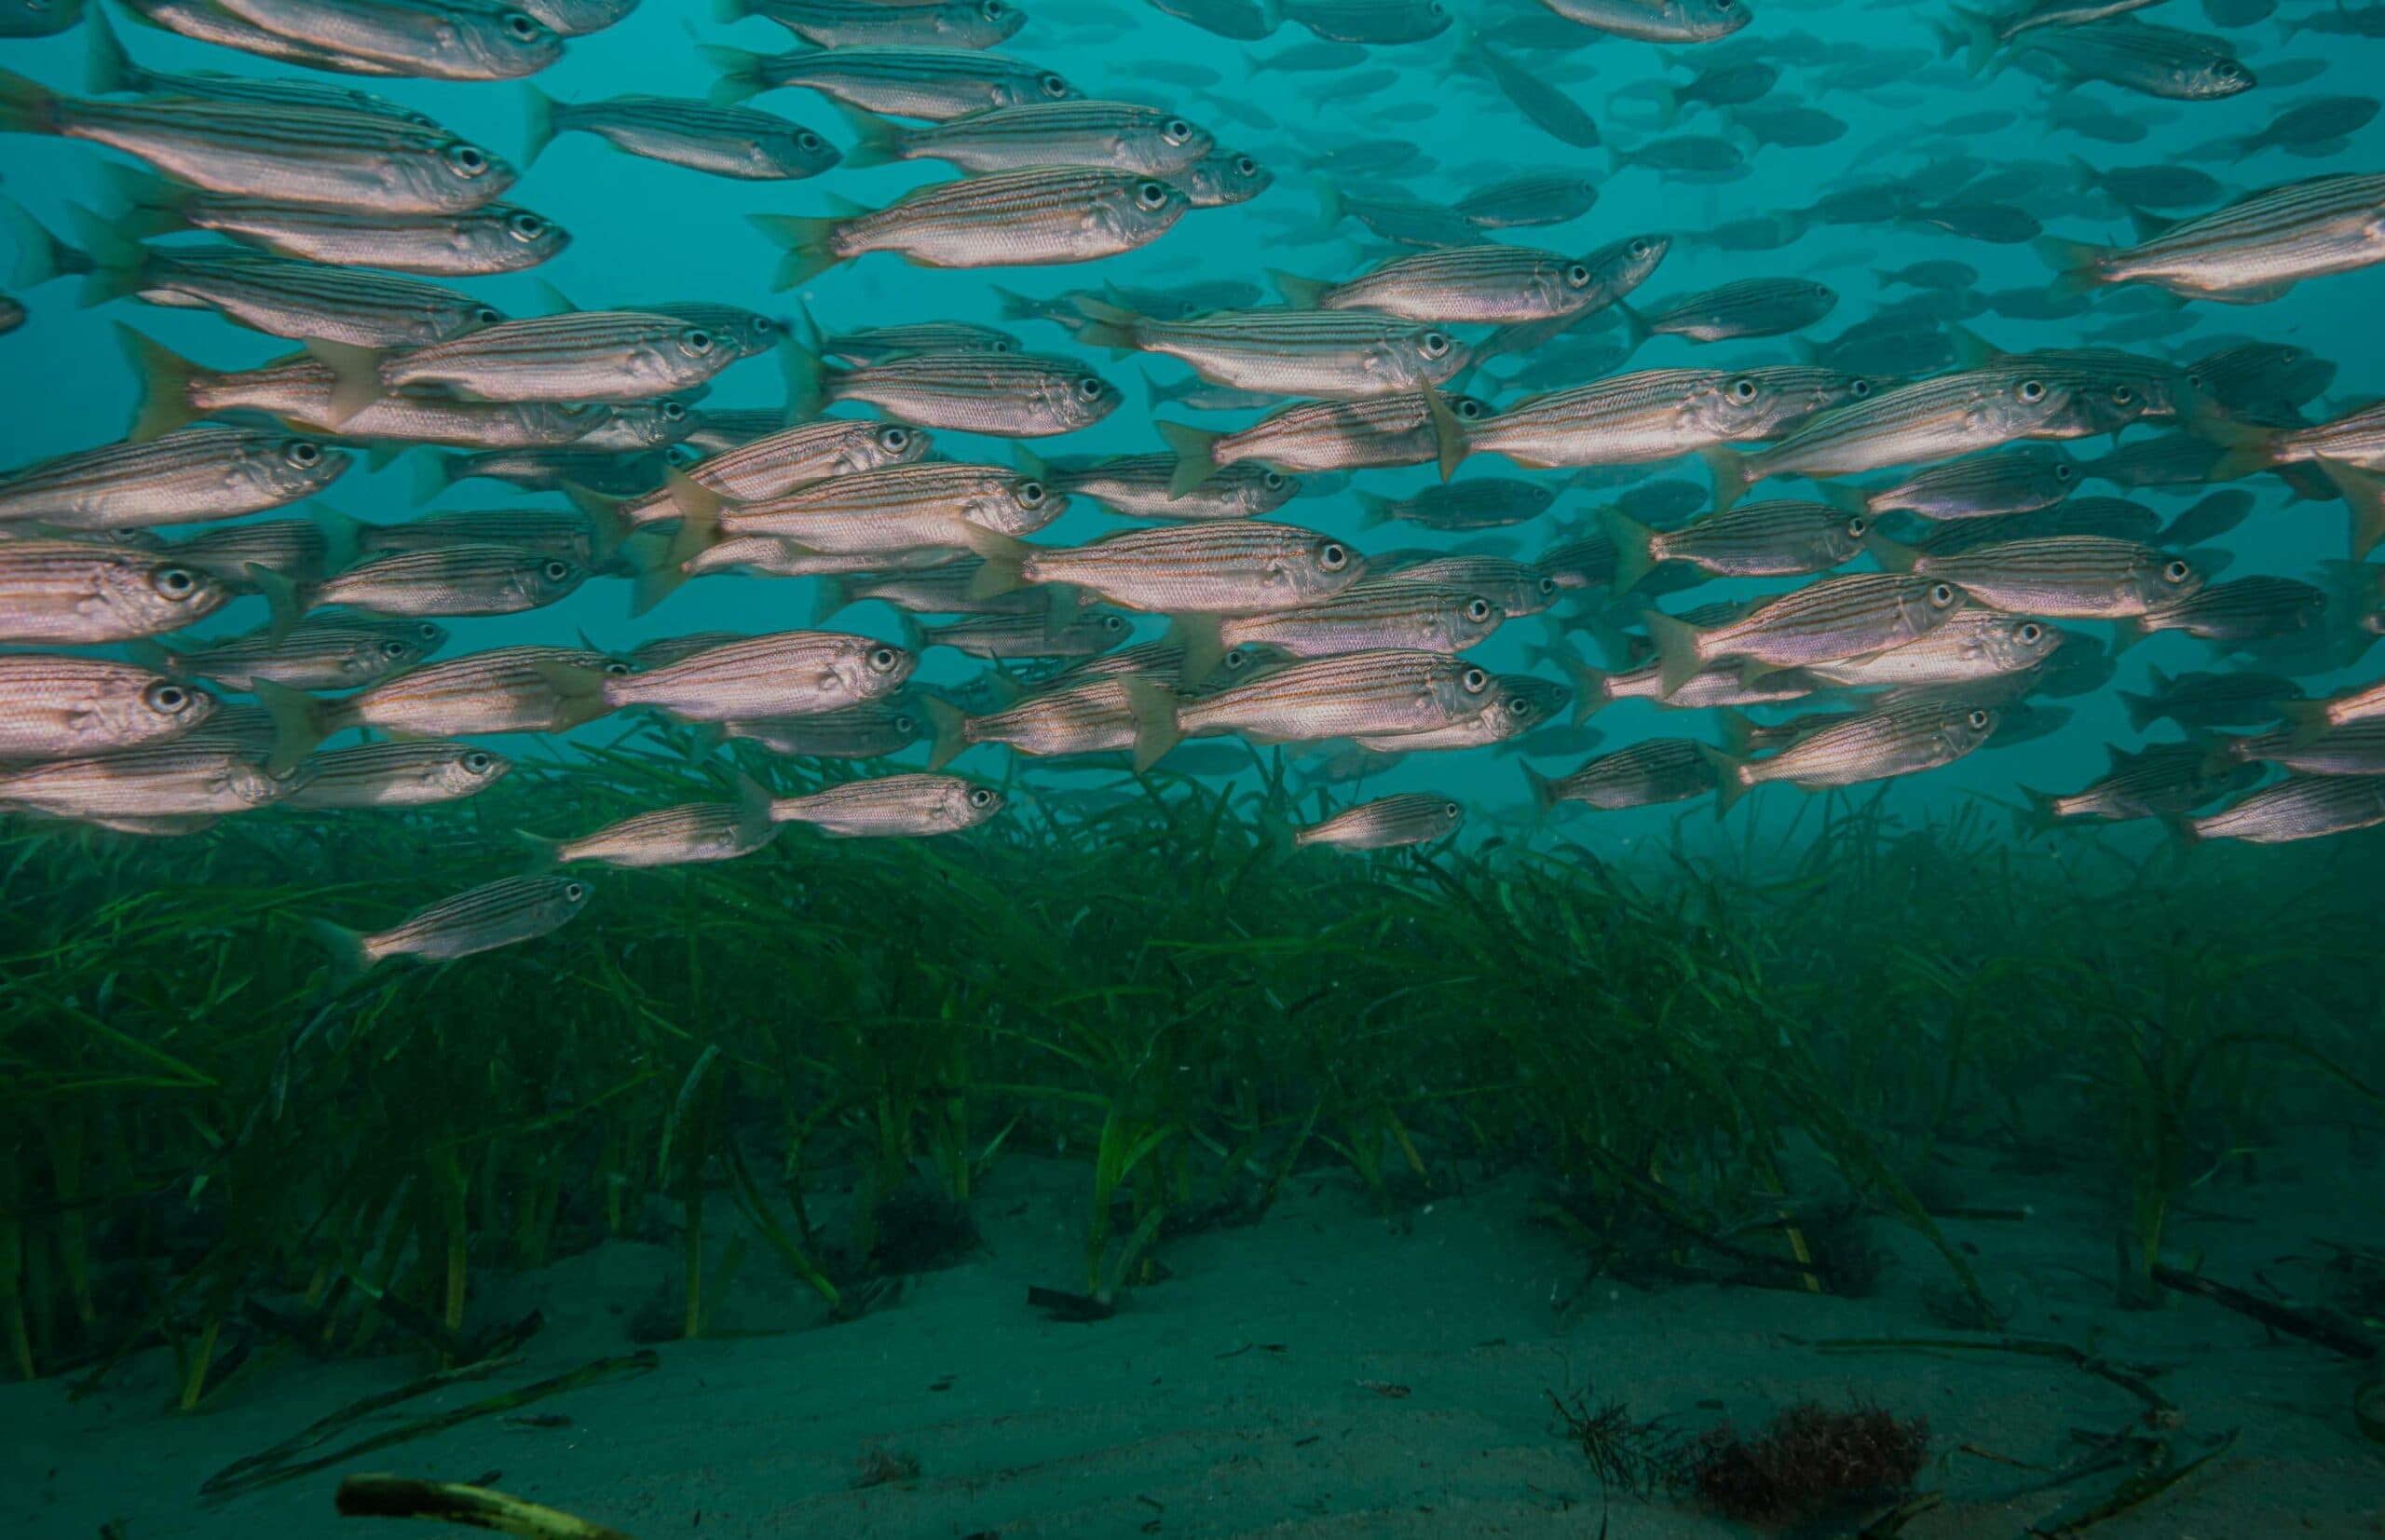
(1936, 575)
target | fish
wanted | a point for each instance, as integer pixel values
(1224, 568)
(936, 510)
(61, 707)
(1003, 395)
(2252, 250)
(1825, 622)
(1656, 21)
(1517, 589)
(2158, 62)
(1341, 354)
(329, 649)
(69, 591)
(582, 356)
(411, 774)
(436, 580)
(862, 23)
(2248, 610)
(2023, 479)
(1764, 540)
(783, 674)
(1141, 486)
(1625, 419)
(771, 466)
(192, 477)
(1385, 823)
(1389, 613)
(896, 807)
(2300, 807)
(2207, 700)
(430, 39)
(2357, 749)
(735, 142)
(2057, 577)
(867, 731)
(1332, 435)
(479, 694)
(494, 237)
(1099, 715)
(1377, 691)
(1041, 214)
(1873, 745)
(1484, 502)
(1646, 774)
(1749, 308)
(1971, 646)
(503, 913)
(1531, 200)
(937, 83)
(1486, 285)
(1116, 136)
(1034, 634)
(182, 777)
(1515, 705)
(684, 835)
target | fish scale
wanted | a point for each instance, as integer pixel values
(1376, 692)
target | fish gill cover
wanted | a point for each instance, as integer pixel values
(601, 607)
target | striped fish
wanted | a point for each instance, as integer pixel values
(893, 806)
(1384, 690)
(1221, 177)
(2355, 749)
(1342, 354)
(330, 649)
(778, 463)
(429, 39)
(65, 708)
(1716, 685)
(1025, 218)
(1003, 395)
(503, 689)
(700, 136)
(2152, 782)
(435, 580)
(934, 506)
(494, 238)
(205, 21)
(866, 24)
(585, 356)
(1518, 589)
(1764, 540)
(330, 156)
(870, 731)
(109, 71)
(284, 298)
(1824, 622)
(784, 673)
(947, 588)
(1117, 136)
(182, 478)
(180, 778)
(2160, 61)
(1379, 432)
(1515, 704)
(931, 83)
(1098, 716)
(2301, 807)
(565, 533)
(680, 835)
(1486, 285)
(1872, 745)
(1225, 568)
(877, 343)
(2251, 250)
(503, 913)
(1748, 307)
(579, 18)
(303, 551)
(66, 591)
(1388, 614)
(2021, 479)
(414, 775)
(1628, 419)
(1141, 486)
(1656, 21)
(2249, 609)
(1655, 771)
(1031, 634)
(1972, 646)
(1486, 502)
(1387, 823)
(2061, 577)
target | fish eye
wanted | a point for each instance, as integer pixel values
(393, 648)
(174, 582)
(981, 797)
(679, 455)
(1942, 594)
(1333, 556)
(429, 632)
(1176, 130)
(1548, 587)
(1474, 681)
(521, 28)
(1053, 87)
(883, 660)
(166, 697)
(1640, 247)
(2032, 390)
(763, 325)
(1577, 275)
(478, 762)
(807, 140)
(1433, 345)
(1469, 410)
(1518, 706)
(1271, 481)
(993, 10)
(696, 340)
(674, 412)
(1114, 623)
(468, 160)
(1449, 809)
(2122, 395)
(556, 571)
(2176, 570)
(1151, 195)
(574, 892)
(487, 315)
(306, 454)
(2065, 472)
(1978, 719)
(1860, 389)
(893, 439)
(2030, 632)
(906, 726)
(615, 666)
(1245, 166)
(1477, 610)
(1743, 389)
(1858, 527)
(1031, 493)
(1089, 387)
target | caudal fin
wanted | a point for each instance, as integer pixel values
(1197, 454)
(1731, 781)
(807, 381)
(300, 722)
(1203, 639)
(41, 256)
(876, 142)
(1157, 729)
(2363, 493)
(27, 106)
(809, 243)
(1635, 548)
(741, 73)
(355, 376)
(107, 69)
(2078, 265)
(1680, 651)
(162, 380)
(951, 725)
(1107, 325)
(1300, 293)
(348, 952)
(118, 265)
(537, 123)
(1732, 475)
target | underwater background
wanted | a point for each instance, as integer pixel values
(1586, 1172)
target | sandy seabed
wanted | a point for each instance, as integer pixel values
(1333, 1370)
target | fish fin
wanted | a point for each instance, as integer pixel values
(1738, 732)
(1448, 434)
(1590, 695)
(1892, 556)
(300, 722)
(355, 376)
(1850, 500)
(1107, 325)
(2306, 719)
(28, 106)
(2077, 264)
(915, 637)
(655, 576)
(537, 123)
(1679, 650)
(2148, 226)
(740, 71)
(1300, 293)
(350, 955)
(2363, 493)
(951, 726)
(608, 532)
(1015, 306)
(116, 264)
(107, 69)
(1202, 636)
(1374, 509)
(753, 803)
(343, 536)
(807, 382)
(41, 256)
(1635, 329)
(433, 474)
(150, 653)
(2127, 630)
(283, 597)
(1544, 789)
(556, 301)
(1329, 210)
(2141, 708)
(833, 596)
(2243, 449)
(1731, 781)
(545, 855)
(580, 692)
(729, 11)
(2182, 828)
(1974, 33)
(1197, 454)
(692, 497)
(1156, 729)
(876, 142)
(810, 242)
(2039, 816)
(1005, 559)
(1730, 471)
(163, 379)
(1635, 548)
(152, 205)
(1972, 350)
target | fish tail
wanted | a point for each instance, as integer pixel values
(1847, 499)
(1973, 33)
(1005, 562)
(1730, 474)
(1015, 306)
(2039, 816)
(2182, 828)
(164, 380)
(116, 264)
(343, 536)
(1635, 329)
(608, 529)
(537, 123)
(1157, 728)
(355, 376)
(1300, 293)
(1544, 789)
(1107, 325)
(2243, 449)
(657, 575)
(41, 256)
(2363, 493)
(152, 205)
(741, 72)
(300, 722)
(2141, 708)
(1197, 454)
(1680, 651)
(1731, 781)
(1635, 548)
(876, 142)
(1737, 730)
(28, 106)
(810, 242)
(351, 954)
(951, 725)
(1374, 509)
(1892, 556)
(1203, 639)
(1329, 208)
(2306, 720)
(545, 855)
(1448, 434)
(834, 595)
(1590, 694)
(283, 597)
(579, 694)
(807, 382)
(107, 69)
(2127, 630)
(433, 473)
(727, 11)
(2077, 264)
